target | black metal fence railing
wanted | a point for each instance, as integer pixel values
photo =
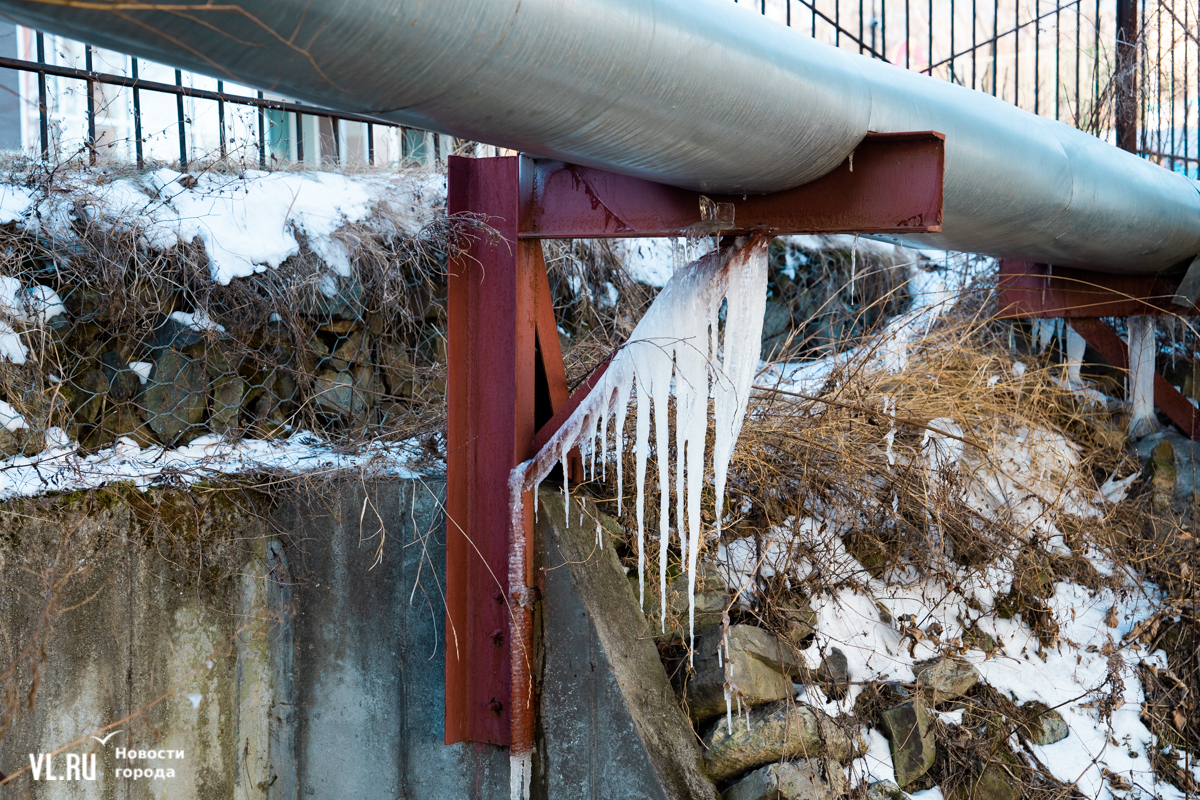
(287, 115)
(1056, 58)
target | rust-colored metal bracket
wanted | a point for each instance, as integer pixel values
(506, 383)
(1038, 291)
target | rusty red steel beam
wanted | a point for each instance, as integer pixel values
(1042, 291)
(490, 392)
(1105, 340)
(506, 385)
(892, 183)
(564, 413)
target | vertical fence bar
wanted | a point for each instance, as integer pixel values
(1017, 53)
(929, 51)
(883, 29)
(1158, 132)
(336, 134)
(91, 106)
(137, 114)
(907, 35)
(371, 144)
(1143, 45)
(1037, 53)
(183, 159)
(1096, 76)
(995, 43)
(1057, 56)
(974, 46)
(861, 38)
(1187, 170)
(43, 111)
(1078, 50)
(1171, 80)
(299, 139)
(221, 117)
(262, 135)
(952, 76)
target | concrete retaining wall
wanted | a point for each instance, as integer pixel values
(296, 652)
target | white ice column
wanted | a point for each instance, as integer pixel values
(1076, 346)
(1142, 351)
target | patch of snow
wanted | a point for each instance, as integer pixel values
(142, 369)
(14, 202)
(247, 223)
(61, 467)
(11, 346)
(10, 418)
(649, 261)
(41, 303)
(196, 320)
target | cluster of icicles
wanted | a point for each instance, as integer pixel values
(673, 350)
(676, 350)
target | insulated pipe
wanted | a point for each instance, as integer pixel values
(703, 94)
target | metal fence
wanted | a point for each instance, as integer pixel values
(1070, 61)
(110, 107)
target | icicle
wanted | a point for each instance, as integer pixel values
(641, 451)
(664, 501)
(599, 534)
(1075, 348)
(590, 438)
(619, 443)
(604, 443)
(853, 267)
(520, 775)
(1142, 420)
(566, 490)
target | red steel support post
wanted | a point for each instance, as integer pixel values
(491, 318)
(500, 329)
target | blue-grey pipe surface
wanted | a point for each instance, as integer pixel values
(703, 94)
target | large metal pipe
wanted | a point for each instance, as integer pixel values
(703, 94)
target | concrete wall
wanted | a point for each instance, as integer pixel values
(309, 671)
(295, 651)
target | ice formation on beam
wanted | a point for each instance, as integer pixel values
(674, 348)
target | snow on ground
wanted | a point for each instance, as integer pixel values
(62, 467)
(1069, 676)
(1027, 471)
(248, 222)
